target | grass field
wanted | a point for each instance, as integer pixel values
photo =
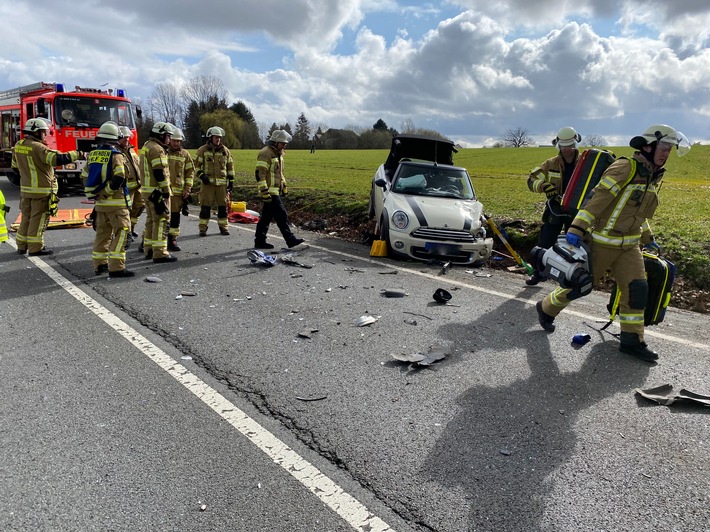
(338, 182)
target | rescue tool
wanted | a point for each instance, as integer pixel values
(528, 269)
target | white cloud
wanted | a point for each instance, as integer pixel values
(475, 71)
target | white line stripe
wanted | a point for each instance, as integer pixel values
(341, 502)
(594, 319)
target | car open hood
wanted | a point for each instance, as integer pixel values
(447, 213)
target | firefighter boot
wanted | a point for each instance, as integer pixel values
(631, 345)
(546, 321)
(223, 230)
(172, 243)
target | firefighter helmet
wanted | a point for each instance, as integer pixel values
(215, 131)
(279, 135)
(109, 131)
(177, 134)
(662, 133)
(36, 124)
(162, 128)
(566, 137)
(126, 132)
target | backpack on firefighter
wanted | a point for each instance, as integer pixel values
(587, 173)
(99, 171)
(660, 274)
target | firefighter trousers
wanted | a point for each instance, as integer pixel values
(213, 196)
(627, 269)
(155, 234)
(112, 229)
(35, 218)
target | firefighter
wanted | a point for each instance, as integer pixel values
(181, 172)
(271, 183)
(35, 163)
(133, 178)
(113, 202)
(616, 221)
(214, 167)
(155, 188)
(551, 178)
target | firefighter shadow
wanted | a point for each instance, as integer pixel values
(508, 439)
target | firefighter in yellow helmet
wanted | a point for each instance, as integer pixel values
(155, 179)
(551, 178)
(35, 162)
(271, 183)
(133, 178)
(214, 167)
(181, 174)
(106, 165)
(616, 222)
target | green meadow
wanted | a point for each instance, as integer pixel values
(338, 182)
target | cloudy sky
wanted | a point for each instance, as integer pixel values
(470, 69)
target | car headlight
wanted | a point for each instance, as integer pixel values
(400, 220)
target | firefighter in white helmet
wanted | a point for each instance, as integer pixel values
(615, 221)
(551, 178)
(214, 167)
(35, 162)
(181, 173)
(133, 178)
(155, 184)
(271, 183)
(106, 165)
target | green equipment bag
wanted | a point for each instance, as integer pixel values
(660, 274)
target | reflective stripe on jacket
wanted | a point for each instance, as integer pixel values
(36, 161)
(551, 171)
(269, 168)
(621, 204)
(216, 162)
(112, 165)
(154, 157)
(181, 171)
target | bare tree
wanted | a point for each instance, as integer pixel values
(407, 126)
(202, 89)
(594, 141)
(517, 138)
(166, 104)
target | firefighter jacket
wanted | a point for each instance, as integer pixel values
(36, 161)
(270, 171)
(216, 163)
(556, 171)
(621, 205)
(181, 171)
(132, 167)
(112, 165)
(154, 160)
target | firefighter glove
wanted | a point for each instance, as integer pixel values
(203, 177)
(573, 240)
(550, 190)
(284, 190)
(653, 247)
(230, 185)
(266, 197)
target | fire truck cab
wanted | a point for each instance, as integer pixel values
(74, 118)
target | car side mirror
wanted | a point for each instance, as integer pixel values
(381, 182)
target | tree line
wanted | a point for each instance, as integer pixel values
(201, 102)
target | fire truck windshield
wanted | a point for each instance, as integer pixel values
(92, 111)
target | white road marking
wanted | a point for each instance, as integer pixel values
(332, 495)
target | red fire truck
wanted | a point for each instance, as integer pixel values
(74, 118)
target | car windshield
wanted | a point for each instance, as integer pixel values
(84, 111)
(439, 181)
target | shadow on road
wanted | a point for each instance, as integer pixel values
(506, 440)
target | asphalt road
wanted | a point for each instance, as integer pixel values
(258, 403)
